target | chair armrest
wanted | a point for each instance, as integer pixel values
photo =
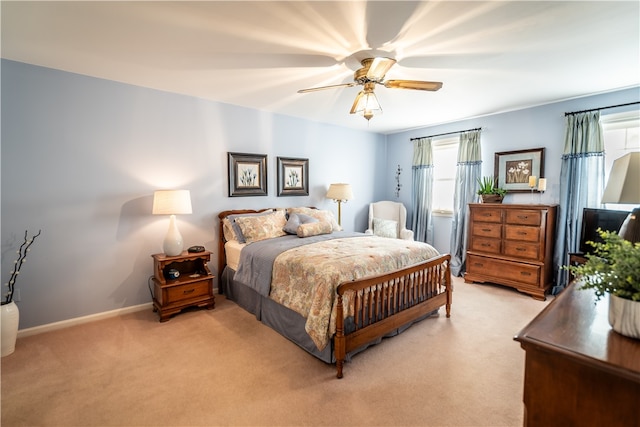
(406, 234)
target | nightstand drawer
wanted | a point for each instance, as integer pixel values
(187, 291)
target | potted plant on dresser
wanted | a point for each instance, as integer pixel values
(489, 192)
(614, 269)
(9, 313)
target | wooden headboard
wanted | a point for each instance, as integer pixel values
(222, 258)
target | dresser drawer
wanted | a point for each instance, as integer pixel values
(503, 270)
(481, 244)
(487, 229)
(522, 250)
(522, 233)
(524, 217)
(487, 215)
(187, 291)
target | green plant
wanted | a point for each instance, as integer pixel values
(613, 268)
(487, 186)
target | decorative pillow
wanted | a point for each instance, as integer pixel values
(385, 228)
(314, 228)
(295, 220)
(232, 230)
(256, 228)
(320, 215)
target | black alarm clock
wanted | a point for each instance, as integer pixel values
(173, 274)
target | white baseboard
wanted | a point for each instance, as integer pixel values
(80, 320)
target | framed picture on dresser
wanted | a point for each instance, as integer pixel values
(519, 171)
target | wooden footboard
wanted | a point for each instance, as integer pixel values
(386, 302)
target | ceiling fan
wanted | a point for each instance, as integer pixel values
(372, 72)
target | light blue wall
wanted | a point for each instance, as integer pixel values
(542, 126)
(81, 158)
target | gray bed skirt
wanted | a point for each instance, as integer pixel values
(285, 321)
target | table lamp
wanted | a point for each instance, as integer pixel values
(623, 187)
(172, 202)
(340, 193)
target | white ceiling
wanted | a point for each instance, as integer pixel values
(492, 56)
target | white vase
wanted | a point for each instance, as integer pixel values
(624, 316)
(10, 317)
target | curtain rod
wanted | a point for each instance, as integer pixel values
(446, 133)
(602, 108)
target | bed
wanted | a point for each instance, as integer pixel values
(331, 292)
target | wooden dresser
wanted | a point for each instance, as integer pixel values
(578, 371)
(512, 245)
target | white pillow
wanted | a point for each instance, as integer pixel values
(385, 228)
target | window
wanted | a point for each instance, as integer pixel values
(621, 136)
(445, 160)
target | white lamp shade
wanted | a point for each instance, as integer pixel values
(340, 192)
(171, 202)
(624, 180)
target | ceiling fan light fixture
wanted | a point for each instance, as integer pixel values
(367, 103)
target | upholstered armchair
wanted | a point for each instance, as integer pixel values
(388, 219)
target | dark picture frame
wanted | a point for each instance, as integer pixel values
(512, 169)
(293, 177)
(247, 174)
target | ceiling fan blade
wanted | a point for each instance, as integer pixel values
(355, 102)
(314, 89)
(413, 84)
(379, 67)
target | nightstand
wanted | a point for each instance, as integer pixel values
(192, 287)
(575, 259)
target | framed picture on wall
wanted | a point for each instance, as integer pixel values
(514, 170)
(247, 174)
(293, 177)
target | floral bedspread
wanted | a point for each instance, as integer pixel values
(305, 279)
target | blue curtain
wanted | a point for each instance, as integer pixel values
(422, 190)
(581, 185)
(468, 172)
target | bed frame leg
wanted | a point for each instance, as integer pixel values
(339, 339)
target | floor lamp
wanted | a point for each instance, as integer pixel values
(340, 193)
(623, 187)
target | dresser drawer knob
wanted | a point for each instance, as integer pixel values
(478, 264)
(520, 249)
(523, 216)
(525, 273)
(522, 233)
(486, 229)
(190, 291)
(485, 245)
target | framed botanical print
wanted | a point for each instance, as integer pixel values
(515, 170)
(247, 174)
(293, 177)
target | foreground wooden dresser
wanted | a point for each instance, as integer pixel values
(578, 371)
(512, 245)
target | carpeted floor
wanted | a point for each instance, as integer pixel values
(222, 367)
